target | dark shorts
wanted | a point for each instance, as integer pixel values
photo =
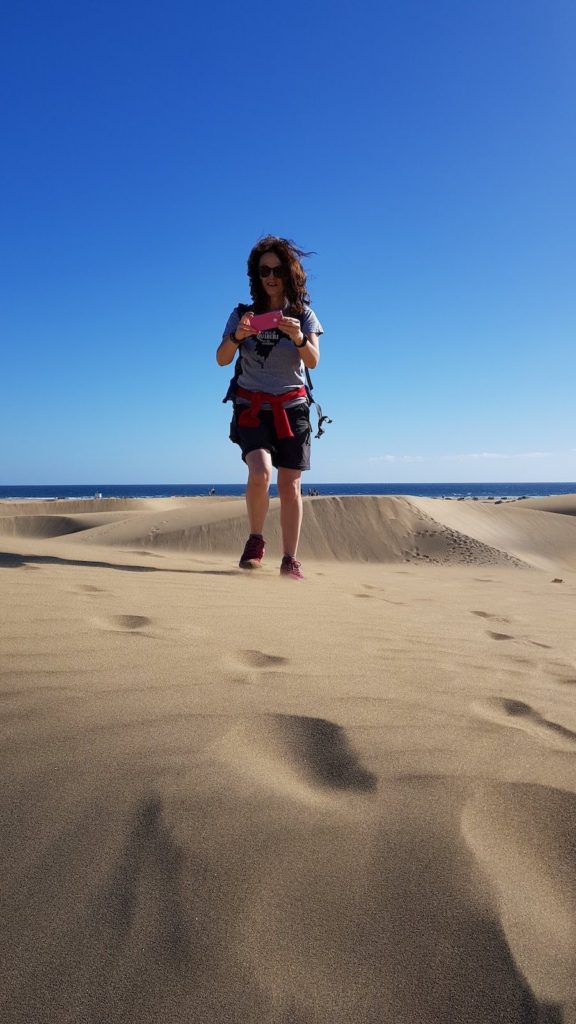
(288, 453)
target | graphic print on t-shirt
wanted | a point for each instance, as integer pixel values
(265, 342)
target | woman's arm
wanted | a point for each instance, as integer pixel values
(226, 351)
(228, 347)
(310, 351)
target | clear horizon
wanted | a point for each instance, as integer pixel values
(305, 482)
(431, 171)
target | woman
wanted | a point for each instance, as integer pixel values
(271, 421)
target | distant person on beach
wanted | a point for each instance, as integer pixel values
(271, 419)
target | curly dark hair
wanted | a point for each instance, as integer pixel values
(294, 274)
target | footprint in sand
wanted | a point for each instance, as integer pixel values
(123, 623)
(517, 715)
(258, 659)
(254, 659)
(285, 749)
(381, 590)
(507, 636)
(488, 615)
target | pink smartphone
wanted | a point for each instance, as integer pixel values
(264, 321)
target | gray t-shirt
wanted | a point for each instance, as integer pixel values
(270, 360)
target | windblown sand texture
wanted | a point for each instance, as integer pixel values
(231, 798)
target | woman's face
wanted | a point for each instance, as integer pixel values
(273, 285)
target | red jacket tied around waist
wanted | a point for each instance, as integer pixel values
(249, 416)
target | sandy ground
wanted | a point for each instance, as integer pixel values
(231, 797)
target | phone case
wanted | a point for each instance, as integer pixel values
(264, 321)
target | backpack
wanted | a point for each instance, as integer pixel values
(230, 395)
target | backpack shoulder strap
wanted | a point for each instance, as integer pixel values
(230, 395)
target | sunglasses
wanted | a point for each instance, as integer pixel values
(264, 271)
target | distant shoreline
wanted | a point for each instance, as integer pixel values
(486, 491)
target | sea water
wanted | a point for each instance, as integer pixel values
(442, 490)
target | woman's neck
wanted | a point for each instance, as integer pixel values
(276, 303)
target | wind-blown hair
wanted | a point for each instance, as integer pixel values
(294, 275)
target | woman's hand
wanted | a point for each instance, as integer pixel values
(228, 347)
(292, 328)
(243, 329)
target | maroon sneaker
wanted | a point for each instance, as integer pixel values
(253, 552)
(290, 567)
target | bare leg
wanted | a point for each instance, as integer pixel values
(259, 476)
(290, 496)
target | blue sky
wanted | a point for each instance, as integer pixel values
(425, 150)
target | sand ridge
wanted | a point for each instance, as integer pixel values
(378, 528)
(228, 797)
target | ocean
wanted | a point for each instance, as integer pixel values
(444, 490)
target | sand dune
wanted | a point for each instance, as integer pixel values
(564, 503)
(379, 529)
(58, 525)
(528, 534)
(70, 506)
(228, 797)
